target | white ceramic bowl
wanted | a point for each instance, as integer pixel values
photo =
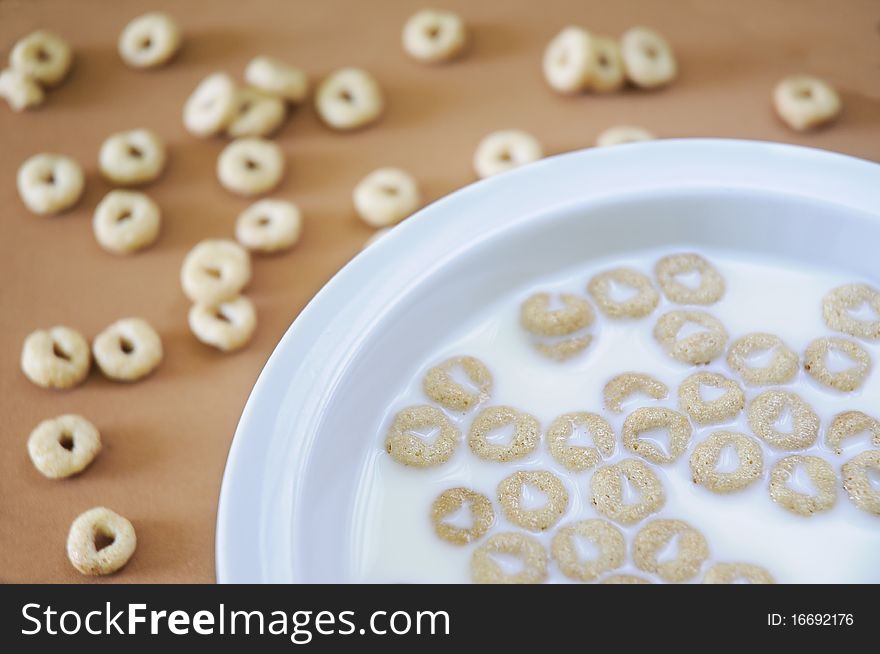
(288, 493)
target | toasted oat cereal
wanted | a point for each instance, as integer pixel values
(857, 484)
(768, 407)
(440, 386)
(721, 409)
(269, 226)
(407, 442)
(63, 446)
(608, 70)
(149, 41)
(43, 56)
(485, 570)
(647, 57)
(211, 106)
(620, 388)
(692, 549)
(838, 303)
(50, 183)
(706, 455)
(731, 573)
(851, 423)
(804, 102)
(821, 475)
(607, 538)
(526, 433)
(701, 347)
(625, 579)
(510, 496)
(504, 150)
(638, 306)
(574, 315)
(710, 290)
(451, 500)
(126, 221)
(564, 349)
(815, 363)
(250, 166)
(256, 113)
(780, 370)
(432, 36)
(575, 457)
(215, 270)
(100, 542)
(569, 60)
(646, 419)
(349, 98)
(227, 325)
(57, 357)
(133, 157)
(386, 196)
(127, 350)
(275, 77)
(606, 487)
(20, 90)
(620, 134)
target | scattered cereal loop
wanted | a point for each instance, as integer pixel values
(526, 434)
(851, 423)
(575, 457)
(821, 475)
(433, 36)
(569, 60)
(505, 150)
(440, 386)
(485, 570)
(482, 515)
(100, 542)
(510, 495)
(646, 419)
(816, 363)
(63, 446)
(732, 573)
(839, 302)
(768, 407)
(698, 348)
(706, 456)
(127, 350)
(623, 386)
(607, 538)
(609, 72)
(804, 102)
(50, 183)
(721, 409)
(621, 134)
(858, 485)
(149, 41)
(647, 57)
(607, 491)
(643, 303)
(42, 56)
(710, 289)
(781, 370)
(655, 536)
(227, 325)
(57, 357)
(407, 444)
(133, 157)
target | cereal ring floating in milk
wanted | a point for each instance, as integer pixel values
(646, 419)
(269, 226)
(625, 579)
(227, 325)
(575, 457)
(386, 196)
(275, 77)
(838, 303)
(215, 270)
(20, 90)
(623, 386)
(698, 348)
(707, 455)
(511, 497)
(608, 540)
(620, 134)
(256, 113)
(732, 573)
(654, 537)
(804, 102)
(821, 475)
(250, 166)
(149, 41)
(504, 150)
(564, 349)
(668, 269)
(136, 156)
(608, 69)
(50, 183)
(781, 369)
(349, 98)
(432, 36)
(63, 446)
(441, 387)
(211, 106)
(526, 434)
(768, 407)
(482, 515)
(126, 221)
(128, 350)
(851, 423)
(406, 444)
(43, 56)
(602, 286)
(57, 357)
(569, 60)
(647, 58)
(574, 314)
(816, 363)
(100, 542)
(723, 408)
(528, 549)
(858, 485)
(607, 489)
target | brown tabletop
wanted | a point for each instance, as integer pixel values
(166, 438)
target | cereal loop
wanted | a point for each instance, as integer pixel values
(698, 348)
(250, 166)
(440, 386)
(575, 457)
(386, 196)
(227, 325)
(601, 287)
(275, 77)
(858, 485)
(126, 221)
(128, 350)
(574, 315)
(732, 573)
(569, 60)
(625, 579)
(623, 386)
(607, 538)
(42, 56)
(721, 409)
(692, 550)
(215, 270)
(851, 423)
(349, 98)
(768, 407)
(511, 497)
(526, 433)
(133, 157)
(608, 69)
(564, 349)
(821, 475)
(707, 455)
(407, 444)
(432, 36)
(780, 370)
(804, 102)
(816, 363)
(528, 549)
(621, 134)
(482, 515)
(211, 106)
(505, 150)
(710, 290)
(63, 446)
(647, 57)
(838, 303)
(646, 419)
(607, 491)
(57, 357)
(20, 90)
(100, 542)
(269, 226)
(149, 41)
(256, 113)
(50, 183)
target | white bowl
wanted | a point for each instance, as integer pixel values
(288, 494)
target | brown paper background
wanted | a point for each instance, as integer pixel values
(166, 438)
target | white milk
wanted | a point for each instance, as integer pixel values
(392, 525)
